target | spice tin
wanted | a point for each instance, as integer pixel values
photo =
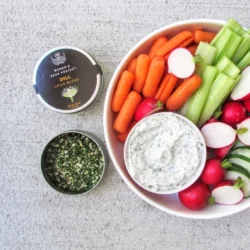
(67, 79)
(96, 141)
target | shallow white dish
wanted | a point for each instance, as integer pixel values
(167, 203)
(137, 148)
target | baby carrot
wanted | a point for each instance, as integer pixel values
(154, 76)
(181, 94)
(162, 86)
(203, 36)
(156, 45)
(165, 72)
(173, 43)
(179, 82)
(184, 44)
(127, 112)
(123, 87)
(169, 88)
(166, 57)
(193, 31)
(141, 71)
(192, 49)
(132, 65)
(123, 136)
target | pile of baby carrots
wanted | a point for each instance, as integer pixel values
(147, 76)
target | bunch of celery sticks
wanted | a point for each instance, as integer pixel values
(223, 60)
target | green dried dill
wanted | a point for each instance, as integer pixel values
(73, 162)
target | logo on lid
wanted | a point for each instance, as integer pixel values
(59, 58)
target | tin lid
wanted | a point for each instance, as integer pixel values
(67, 79)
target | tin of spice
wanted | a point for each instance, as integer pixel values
(67, 79)
(74, 162)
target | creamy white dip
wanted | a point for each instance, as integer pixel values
(164, 151)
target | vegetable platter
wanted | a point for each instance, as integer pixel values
(200, 70)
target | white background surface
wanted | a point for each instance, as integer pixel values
(32, 215)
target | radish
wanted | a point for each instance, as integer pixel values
(244, 128)
(215, 117)
(181, 63)
(242, 89)
(214, 171)
(196, 197)
(247, 105)
(233, 113)
(218, 134)
(222, 152)
(228, 192)
(211, 120)
(147, 107)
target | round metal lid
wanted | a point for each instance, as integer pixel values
(67, 79)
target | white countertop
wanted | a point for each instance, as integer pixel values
(34, 216)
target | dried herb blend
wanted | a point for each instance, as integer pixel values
(73, 162)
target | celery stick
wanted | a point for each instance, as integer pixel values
(220, 89)
(232, 45)
(231, 24)
(227, 45)
(227, 67)
(206, 51)
(242, 49)
(222, 38)
(198, 99)
(183, 109)
(218, 36)
(244, 62)
(235, 27)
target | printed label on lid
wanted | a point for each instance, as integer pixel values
(66, 79)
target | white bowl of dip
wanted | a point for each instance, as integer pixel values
(165, 153)
(168, 203)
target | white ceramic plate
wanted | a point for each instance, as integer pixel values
(167, 203)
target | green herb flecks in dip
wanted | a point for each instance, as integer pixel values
(74, 162)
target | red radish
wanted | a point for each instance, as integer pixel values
(233, 113)
(211, 120)
(215, 117)
(228, 192)
(181, 63)
(222, 152)
(196, 197)
(214, 171)
(247, 105)
(218, 134)
(242, 89)
(244, 131)
(147, 107)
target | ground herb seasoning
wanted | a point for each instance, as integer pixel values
(73, 162)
